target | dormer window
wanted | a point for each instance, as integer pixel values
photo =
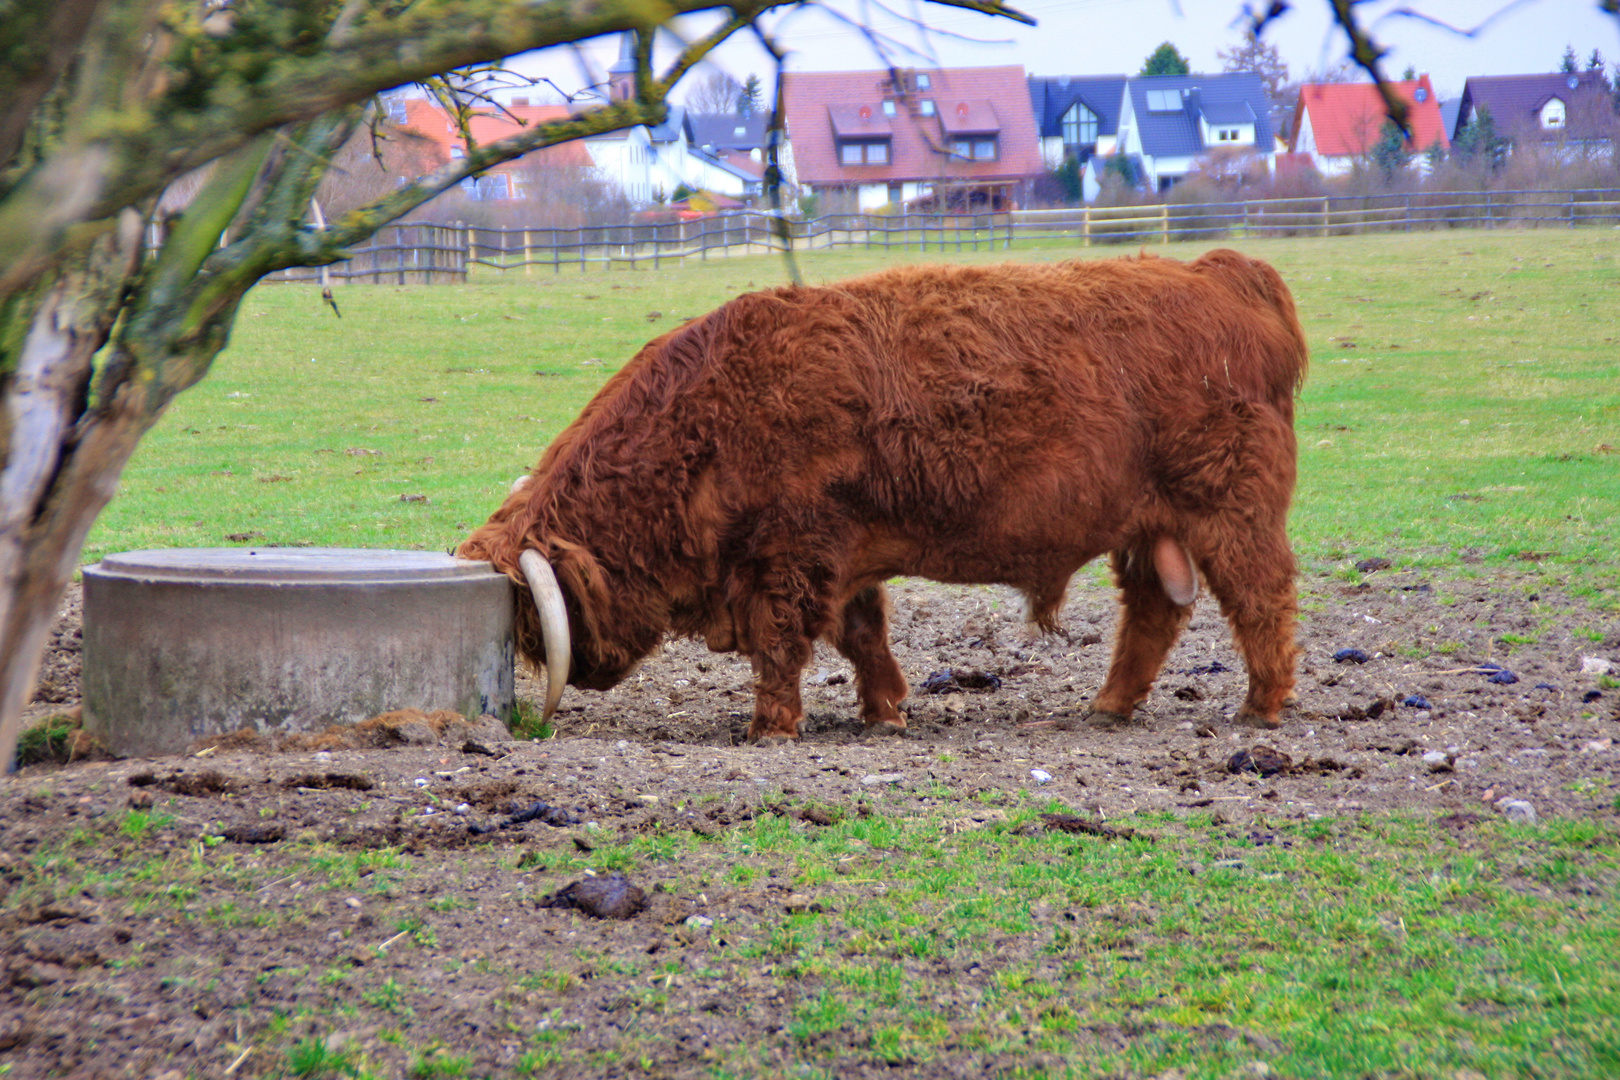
(981, 149)
(864, 152)
(1228, 135)
(888, 107)
(922, 81)
(926, 107)
(1553, 115)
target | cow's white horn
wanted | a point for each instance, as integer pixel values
(548, 601)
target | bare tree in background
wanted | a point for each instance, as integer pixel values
(718, 93)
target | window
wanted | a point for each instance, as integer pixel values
(974, 149)
(457, 152)
(1552, 114)
(1079, 126)
(926, 106)
(863, 153)
(922, 81)
(1164, 100)
(888, 107)
(1227, 135)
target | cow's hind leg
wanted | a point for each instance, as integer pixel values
(1149, 623)
(862, 636)
(1254, 582)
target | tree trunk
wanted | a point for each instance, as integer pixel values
(62, 457)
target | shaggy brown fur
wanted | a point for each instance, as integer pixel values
(753, 477)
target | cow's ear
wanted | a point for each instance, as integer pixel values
(1177, 573)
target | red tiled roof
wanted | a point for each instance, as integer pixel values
(858, 121)
(740, 159)
(431, 121)
(818, 103)
(1348, 118)
(970, 118)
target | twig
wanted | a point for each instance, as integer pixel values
(384, 946)
(237, 1064)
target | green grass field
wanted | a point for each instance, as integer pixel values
(1462, 415)
(1464, 399)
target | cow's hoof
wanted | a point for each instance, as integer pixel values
(880, 728)
(1250, 718)
(1109, 721)
(772, 738)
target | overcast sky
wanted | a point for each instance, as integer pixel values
(1103, 37)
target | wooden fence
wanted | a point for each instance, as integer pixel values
(434, 253)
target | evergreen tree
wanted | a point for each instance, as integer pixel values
(1390, 153)
(1569, 64)
(1478, 142)
(1166, 60)
(751, 95)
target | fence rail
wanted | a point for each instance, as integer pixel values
(435, 253)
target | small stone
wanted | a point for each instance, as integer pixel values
(1503, 677)
(1416, 701)
(698, 922)
(354, 902)
(1040, 776)
(421, 781)
(883, 778)
(1597, 746)
(1350, 656)
(1595, 665)
(463, 808)
(1517, 810)
(1368, 566)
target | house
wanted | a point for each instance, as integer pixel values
(429, 121)
(1077, 116)
(1338, 124)
(1562, 110)
(747, 133)
(1167, 123)
(963, 138)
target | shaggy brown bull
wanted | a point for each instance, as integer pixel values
(753, 477)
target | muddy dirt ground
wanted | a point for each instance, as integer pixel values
(101, 981)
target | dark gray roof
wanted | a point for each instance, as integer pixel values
(719, 130)
(1228, 112)
(1051, 98)
(1175, 133)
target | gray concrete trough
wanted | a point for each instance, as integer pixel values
(187, 643)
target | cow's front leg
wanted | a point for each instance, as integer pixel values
(778, 709)
(862, 636)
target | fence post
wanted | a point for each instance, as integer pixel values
(1164, 223)
(526, 253)
(1324, 215)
